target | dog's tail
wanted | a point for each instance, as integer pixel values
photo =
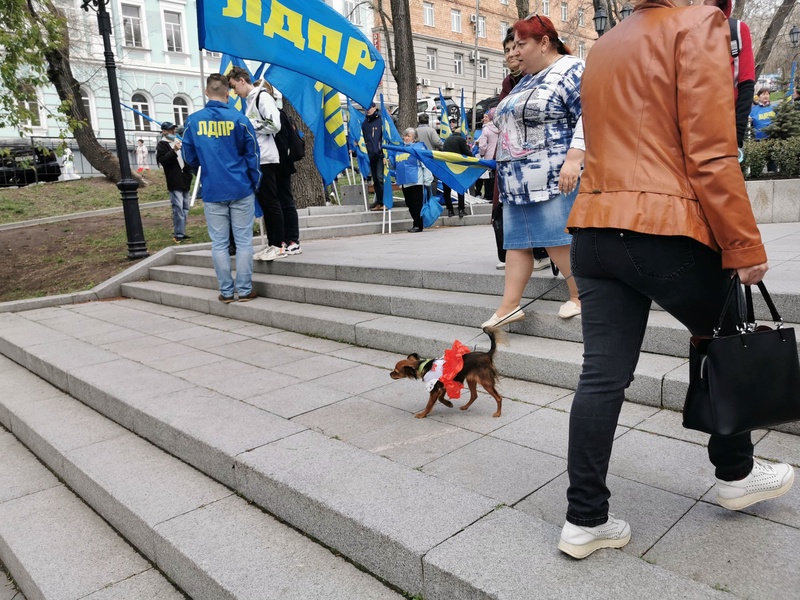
(495, 335)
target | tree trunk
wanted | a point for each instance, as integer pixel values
(307, 185)
(523, 8)
(768, 41)
(738, 9)
(404, 53)
(59, 71)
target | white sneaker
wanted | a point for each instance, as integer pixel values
(270, 253)
(501, 266)
(568, 310)
(539, 264)
(580, 542)
(765, 481)
(512, 317)
(294, 248)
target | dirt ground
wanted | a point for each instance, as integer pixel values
(78, 254)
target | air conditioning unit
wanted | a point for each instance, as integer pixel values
(473, 18)
(449, 85)
(426, 81)
(473, 55)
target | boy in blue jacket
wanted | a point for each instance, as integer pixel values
(223, 142)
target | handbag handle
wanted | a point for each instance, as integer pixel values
(776, 318)
(745, 314)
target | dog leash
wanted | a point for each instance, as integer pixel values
(513, 312)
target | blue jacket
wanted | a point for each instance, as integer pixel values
(223, 142)
(408, 170)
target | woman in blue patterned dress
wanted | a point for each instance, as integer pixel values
(539, 157)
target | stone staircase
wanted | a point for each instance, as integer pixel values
(133, 468)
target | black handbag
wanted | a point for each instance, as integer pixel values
(746, 381)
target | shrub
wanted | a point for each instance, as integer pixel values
(786, 154)
(756, 155)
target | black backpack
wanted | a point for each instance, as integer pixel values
(291, 147)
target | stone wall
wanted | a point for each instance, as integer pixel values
(775, 200)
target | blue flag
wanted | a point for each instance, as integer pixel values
(464, 128)
(306, 36)
(454, 170)
(355, 137)
(318, 106)
(444, 124)
(392, 137)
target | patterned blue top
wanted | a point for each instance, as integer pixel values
(539, 121)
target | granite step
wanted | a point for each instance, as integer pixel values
(54, 545)
(419, 532)
(205, 538)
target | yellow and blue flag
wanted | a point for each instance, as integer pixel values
(305, 36)
(356, 138)
(392, 137)
(318, 106)
(454, 170)
(444, 122)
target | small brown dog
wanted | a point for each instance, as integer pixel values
(478, 368)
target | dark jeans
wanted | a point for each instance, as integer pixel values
(291, 222)
(619, 275)
(448, 200)
(267, 196)
(376, 168)
(413, 196)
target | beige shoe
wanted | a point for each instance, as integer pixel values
(513, 316)
(568, 310)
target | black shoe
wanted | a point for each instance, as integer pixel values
(376, 207)
(226, 299)
(461, 213)
(415, 230)
(450, 212)
(186, 237)
(251, 296)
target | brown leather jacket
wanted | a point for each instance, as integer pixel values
(659, 124)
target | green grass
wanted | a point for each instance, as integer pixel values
(69, 197)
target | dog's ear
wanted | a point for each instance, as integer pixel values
(413, 356)
(410, 372)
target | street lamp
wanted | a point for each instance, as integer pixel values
(794, 36)
(137, 247)
(626, 11)
(600, 21)
(794, 39)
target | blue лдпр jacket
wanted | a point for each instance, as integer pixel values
(223, 142)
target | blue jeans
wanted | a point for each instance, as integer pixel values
(222, 218)
(180, 208)
(619, 275)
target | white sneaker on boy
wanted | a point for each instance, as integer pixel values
(579, 542)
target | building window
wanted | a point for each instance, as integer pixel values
(503, 30)
(581, 20)
(581, 50)
(432, 59)
(505, 2)
(86, 100)
(180, 110)
(546, 8)
(458, 64)
(483, 68)
(564, 11)
(352, 10)
(139, 102)
(506, 72)
(132, 25)
(455, 20)
(210, 54)
(172, 26)
(427, 14)
(30, 104)
(482, 27)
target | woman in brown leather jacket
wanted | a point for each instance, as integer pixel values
(662, 216)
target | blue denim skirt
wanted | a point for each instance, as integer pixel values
(538, 224)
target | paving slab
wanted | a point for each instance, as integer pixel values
(719, 547)
(20, 473)
(150, 585)
(295, 400)
(235, 551)
(351, 417)
(509, 555)
(339, 494)
(497, 469)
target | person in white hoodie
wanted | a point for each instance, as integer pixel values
(265, 117)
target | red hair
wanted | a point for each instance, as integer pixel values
(537, 27)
